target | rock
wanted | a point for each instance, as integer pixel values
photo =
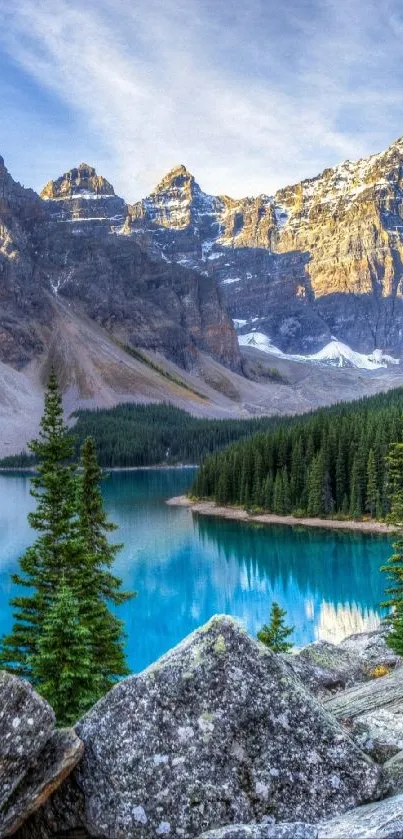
(216, 732)
(53, 764)
(34, 757)
(372, 649)
(325, 667)
(393, 773)
(386, 692)
(297, 830)
(60, 816)
(382, 820)
(26, 723)
(379, 733)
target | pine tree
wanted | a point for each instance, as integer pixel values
(394, 571)
(394, 465)
(316, 486)
(395, 637)
(96, 585)
(372, 501)
(62, 665)
(56, 551)
(274, 635)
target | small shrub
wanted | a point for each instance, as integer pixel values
(379, 671)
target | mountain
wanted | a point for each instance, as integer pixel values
(61, 246)
(225, 307)
(319, 261)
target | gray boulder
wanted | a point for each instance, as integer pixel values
(34, 758)
(393, 774)
(296, 830)
(216, 732)
(326, 668)
(371, 648)
(381, 820)
(379, 733)
(386, 692)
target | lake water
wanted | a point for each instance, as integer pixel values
(187, 568)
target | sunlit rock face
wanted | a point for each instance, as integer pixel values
(321, 258)
(82, 197)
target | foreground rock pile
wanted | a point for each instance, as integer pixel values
(34, 757)
(222, 739)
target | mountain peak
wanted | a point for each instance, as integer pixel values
(82, 181)
(177, 177)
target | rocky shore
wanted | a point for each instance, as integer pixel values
(219, 739)
(210, 508)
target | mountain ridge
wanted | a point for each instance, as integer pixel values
(191, 280)
(339, 233)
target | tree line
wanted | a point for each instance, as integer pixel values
(331, 462)
(148, 435)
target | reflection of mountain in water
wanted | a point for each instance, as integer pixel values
(336, 622)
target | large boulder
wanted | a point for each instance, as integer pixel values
(381, 820)
(379, 733)
(34, 757)
(386, 692)
(371, 648)
(393, 774)
(326, 668)
(265, 830)
(216, 732)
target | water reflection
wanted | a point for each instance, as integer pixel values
(186, 568)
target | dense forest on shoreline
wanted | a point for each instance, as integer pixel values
(327, 463)
(149, 435)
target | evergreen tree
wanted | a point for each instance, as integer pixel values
(278, 495)
(394, 571)
(56, 551)
(372, 502)
(395, 636)
(394, 463)
(316, 486)
(62, 665)
(96, 586)
(274, 635)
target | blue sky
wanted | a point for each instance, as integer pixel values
(249, 96)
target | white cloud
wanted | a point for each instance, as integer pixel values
(247, 100)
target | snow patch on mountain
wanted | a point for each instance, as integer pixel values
(335, 353)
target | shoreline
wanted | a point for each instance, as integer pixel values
(210, 508)
(5, 469)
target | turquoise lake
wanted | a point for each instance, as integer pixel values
(186, 568)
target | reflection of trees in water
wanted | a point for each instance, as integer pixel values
(339, 568)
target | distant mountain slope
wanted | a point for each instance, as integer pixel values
(319, 259)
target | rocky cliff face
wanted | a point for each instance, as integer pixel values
(24, 308)
(68, 246)
(319, 259)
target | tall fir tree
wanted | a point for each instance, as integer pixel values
(372, 500)
(62, 666)
(96, 586)
(274, 635)
(394, 592)
(56, 551)
(394, 466)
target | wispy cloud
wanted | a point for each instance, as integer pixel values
(249, 96)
